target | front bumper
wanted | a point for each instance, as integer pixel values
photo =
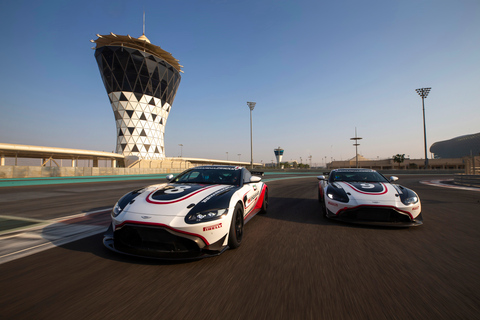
(159, 243)
(379, 216)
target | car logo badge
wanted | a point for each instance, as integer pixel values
(145, 217)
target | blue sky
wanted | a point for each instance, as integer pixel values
(316, 69)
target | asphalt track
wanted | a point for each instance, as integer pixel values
(293, 264)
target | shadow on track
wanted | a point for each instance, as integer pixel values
(303, 210)
(94, 245)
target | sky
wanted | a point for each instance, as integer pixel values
(317, 70)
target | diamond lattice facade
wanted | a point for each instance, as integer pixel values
(141, 81)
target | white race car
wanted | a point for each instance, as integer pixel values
(365, 196)
(199, 213)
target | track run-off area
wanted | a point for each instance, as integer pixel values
(292, 264)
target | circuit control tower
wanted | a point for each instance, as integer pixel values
(278, 155)
(141, 80)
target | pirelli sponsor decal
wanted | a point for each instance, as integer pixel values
(215, 226)
(333, 204)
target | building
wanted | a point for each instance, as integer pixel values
(141, 80)
(463, 146)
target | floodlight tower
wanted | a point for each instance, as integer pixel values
(423, 92)
(356, 144)
(278, 155)
(251, 105)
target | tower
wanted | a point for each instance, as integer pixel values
(278, 155)
(141, 80)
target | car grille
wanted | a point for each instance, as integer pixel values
(375, 214)
(152, 241)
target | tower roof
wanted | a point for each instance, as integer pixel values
(141, 43)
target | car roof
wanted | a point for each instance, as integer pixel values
(353, 170)
(218, 167)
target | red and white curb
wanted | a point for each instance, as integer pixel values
(439, 183)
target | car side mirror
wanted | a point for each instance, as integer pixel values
(321, 177)
(393, 178)
(255, 179)
(169, 177)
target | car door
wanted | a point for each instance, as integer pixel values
(251, 193)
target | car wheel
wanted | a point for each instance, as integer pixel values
(319, 196)
(265, 203)
(236, 228)
(324, 208)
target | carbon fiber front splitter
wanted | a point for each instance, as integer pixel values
(412, 223)
(109, 242)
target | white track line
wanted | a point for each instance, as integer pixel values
(50, 234)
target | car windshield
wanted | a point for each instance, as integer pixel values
(358, 176)
(210, 176)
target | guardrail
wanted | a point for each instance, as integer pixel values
(467, 180)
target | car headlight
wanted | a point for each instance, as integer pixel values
(407, 196)
(116, 210)
(205, 216)
(126, 199)
(337, 194)
(410, 200)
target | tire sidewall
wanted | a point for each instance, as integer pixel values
(264, 203)
(234, 239)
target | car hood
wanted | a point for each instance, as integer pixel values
(370, 192)
(178, 199)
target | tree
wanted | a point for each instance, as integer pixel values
(399, 158)
(286, 165)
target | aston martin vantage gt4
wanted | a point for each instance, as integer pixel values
(201, 212)
(365, 196)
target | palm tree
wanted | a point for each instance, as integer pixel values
(399, 158)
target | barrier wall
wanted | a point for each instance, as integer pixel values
(467, 180)
(10, 172)
(140, 167)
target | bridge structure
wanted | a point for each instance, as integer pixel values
(51, 164)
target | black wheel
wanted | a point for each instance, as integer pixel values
(320, 196)
(236, 228)
(265, 203)
(324, 207)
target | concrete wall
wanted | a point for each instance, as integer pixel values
(388, 164)
(170, 163)
(13, 172)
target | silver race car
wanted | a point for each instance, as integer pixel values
(199, 213)
(365, 196)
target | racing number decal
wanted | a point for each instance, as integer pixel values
(177, 189)
(367, 186)
(175, 193)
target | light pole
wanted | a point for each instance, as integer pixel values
(423, 92)
(181, 150)
(251, 105)
(227, 155)
(239, 154)
(356, 144)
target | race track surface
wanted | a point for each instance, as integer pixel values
(292, 264)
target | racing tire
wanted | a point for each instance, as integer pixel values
(323, 209)
(264, 208)
(236, 228)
